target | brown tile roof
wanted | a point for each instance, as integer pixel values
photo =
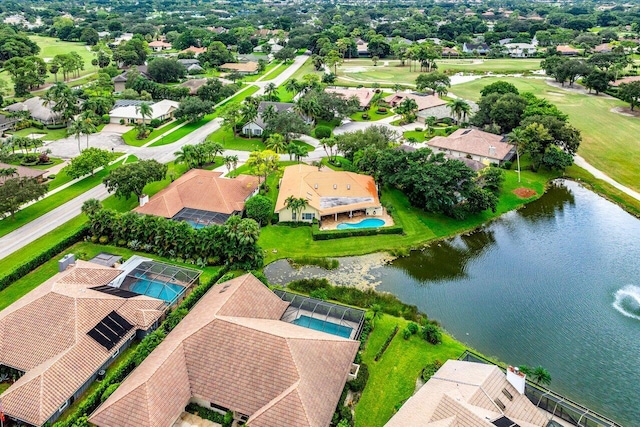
(243, 67)
(160, 43)
(327, 191)
(22, 171)
(204, 190)
(196, 50)
(474, 142)
(44, 334)
(233, 350)
(629, 79)
(424, 101)
(464, 394)
(567, 50)
(363, 95)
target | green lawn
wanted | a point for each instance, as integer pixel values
(230, 142)
(242, 94)
(275, 72)
(419, 227)
(373, 114)
(270, 67)
(54, 162)
(330, 124)
(283, 95)
(47, 134)
(129, 137)
(609, 140)
(392, 379)
(424, 135)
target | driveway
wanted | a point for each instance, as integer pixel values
(116, 128)
(67, 148)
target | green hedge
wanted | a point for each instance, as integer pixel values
(23, 269)
(208, 414)
(386, 343)
(148, 344)
(317, 234)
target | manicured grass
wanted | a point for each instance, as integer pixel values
(270, 67)
(242, 94)
(609, 140)
(283, 95)
(373, 114)
(330, 124)
(419, 227)
(392, 379)
(47, 134)
(183, 131)
(424, 135)
(129, 137)
(4, 386)
(244, 169)
(275, 72)
(54, 162)
(47, 204)
(230, 142)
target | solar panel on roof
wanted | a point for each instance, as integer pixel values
(110, 330)
(114, 291)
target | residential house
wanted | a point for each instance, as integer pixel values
(249, 57)
(242, 68)
(520, 50)
(218, 30)
(363, 95)
(603, 48)
(257, 126)
(62, 333)
(473, 164)
(7, 122)
(362, 47)
(232, 352)
(471, 394)
(103, 34)
(475, 48)
(124, 37)
(120, 81)
(566, 50)
(196, 50)
(202, 197)
(162, 110)
(22, 172)
(195, 84)
(478, 145)
(328, 193)
(159, 45)
(428, 105)
(450, 52)
(38, 109)
(625, 80)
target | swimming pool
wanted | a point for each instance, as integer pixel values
(324, 326)
(365, 223)
(156, 289)
(196, 225)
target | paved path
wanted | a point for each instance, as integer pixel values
(579, 161)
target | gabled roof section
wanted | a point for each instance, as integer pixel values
(44, 334)
(475, 142)
(204, 190)
(232, 349)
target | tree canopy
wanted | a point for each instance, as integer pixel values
(131, 178)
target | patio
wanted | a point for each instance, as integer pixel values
(330, 222)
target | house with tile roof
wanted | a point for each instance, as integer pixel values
(159, 45)
(202, 197)
(258, 126)
(161, 110)
(120, 80)
(61, 334)
(566, 50)
(475, 144)
(22, 172)
(363, 95)
(240, 67)
(470, 394)
(195, 50)
(426, 103)
(327, 192)
(233, 353)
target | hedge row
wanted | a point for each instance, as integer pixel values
(148, 344)
(211, 415)
(317, 234)
(35, 262)
(386, 343)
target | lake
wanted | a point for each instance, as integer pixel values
(556, 284)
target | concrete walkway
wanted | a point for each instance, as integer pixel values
(579, 161)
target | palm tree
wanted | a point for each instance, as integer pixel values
(296, 205)
(397, 87)
(292, 86)
(407, 108)
(271, 91)
(269, 113)
(517, 137)
(76, 128)
(186, 155)
(541, 376)
(276, 143)
(459, 108)
(249, 112)
(91, 206)
(441, 90)
(88, 128)
(229, 162)
(376, 313)
(430, 122)
(145, 110)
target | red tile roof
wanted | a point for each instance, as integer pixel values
(204, 190)
(423, 101)
(233, 350)
(474, 142)
(44, 334)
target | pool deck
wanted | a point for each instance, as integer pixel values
(331, 224)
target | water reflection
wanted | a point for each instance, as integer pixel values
(557, 198)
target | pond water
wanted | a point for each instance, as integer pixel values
(555, 284)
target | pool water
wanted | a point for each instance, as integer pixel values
(164, 291)
(366, 223)
(196, 225)
(324, 326)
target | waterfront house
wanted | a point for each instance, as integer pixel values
(475, 144)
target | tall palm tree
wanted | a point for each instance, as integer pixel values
(459, 108)
(376, 313)
(76, 128)
(185, 155)
(269, 113)
(249, 112)
(296, 205)
(407, 108)
(145, 110)
(276, 143)
(271, 91)
(229, 161)
(541, 376)
(292, 86)
(517, 138)
(430, 122)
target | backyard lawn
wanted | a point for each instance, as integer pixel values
(44, 134)
(419, 227)
(230, 142)
(373, 113)
(392, 379)
(609, 140)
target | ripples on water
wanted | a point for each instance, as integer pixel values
(627, 301)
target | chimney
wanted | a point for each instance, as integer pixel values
(65, 262)
(492, 150)
(348, 186)
(516, 378)
(335, 186)
(315, 186)
(144, 199)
